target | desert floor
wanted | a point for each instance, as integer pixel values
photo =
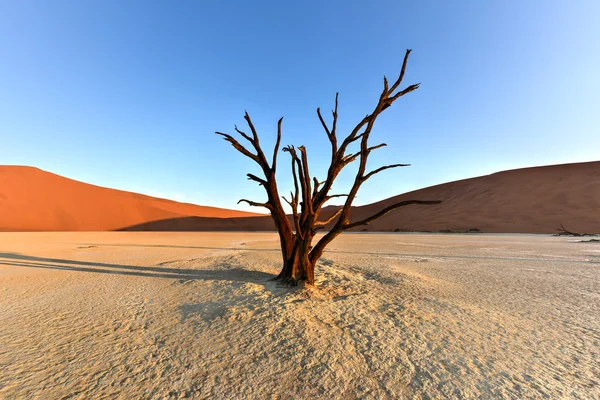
(194, 315)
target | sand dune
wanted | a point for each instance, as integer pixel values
(36, 200)
(527, 200)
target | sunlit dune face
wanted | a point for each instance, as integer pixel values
(35, 200)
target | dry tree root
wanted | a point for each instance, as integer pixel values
(284, 281)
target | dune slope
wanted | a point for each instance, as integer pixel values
(527, 200)
(36, 200)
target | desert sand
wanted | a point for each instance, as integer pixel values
(36, 200)
(194, 315)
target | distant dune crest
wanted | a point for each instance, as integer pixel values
(36, 200)
(528, 200)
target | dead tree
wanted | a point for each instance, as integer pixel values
(562, 231)
(309, 194)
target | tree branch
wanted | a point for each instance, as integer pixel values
(294, 205)
(292, 151)
(294, 196)
(563, 232)
(327, 198)
(401, 77)
(370, 149)
(276, 149)
(334, 125)
(378, 170)
(386, 210)
(350, 158)
(255, 178)
(239, 147)
(256, 143)
(307, 189)
(255, 204)
(323, 122)
(251, 125)
(316, 185)
(329, 220)
(331, 133)
(356, 138)
(243, 134)
(400, 94)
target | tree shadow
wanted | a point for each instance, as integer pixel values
(233, 274)
(169, 246)
(364, 253)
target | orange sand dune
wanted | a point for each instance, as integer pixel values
(527, 200)
(36, 200)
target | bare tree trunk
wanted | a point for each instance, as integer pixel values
(298, 266)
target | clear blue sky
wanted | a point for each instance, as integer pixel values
(128, 94)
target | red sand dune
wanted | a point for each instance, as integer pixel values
(36, 200)
(527, 200)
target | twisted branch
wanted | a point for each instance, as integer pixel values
(378, 170)
(385, 211)
(254, 203)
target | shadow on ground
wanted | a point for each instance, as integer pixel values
(170, 246)
(235, 274)
(542, 259)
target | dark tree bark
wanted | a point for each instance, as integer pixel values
(309, 195)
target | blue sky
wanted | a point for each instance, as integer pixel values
(128, 94)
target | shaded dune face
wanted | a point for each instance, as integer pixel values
(36, 200)
(527, 200)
